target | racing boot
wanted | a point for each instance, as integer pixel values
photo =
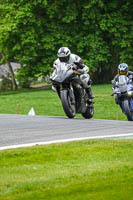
(90, 93)
(116, 100)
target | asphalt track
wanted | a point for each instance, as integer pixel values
(24, 130)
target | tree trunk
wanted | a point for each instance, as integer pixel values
(14, 84)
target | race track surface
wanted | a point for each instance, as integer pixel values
(24, 129)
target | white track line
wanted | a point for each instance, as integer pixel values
(65, 140)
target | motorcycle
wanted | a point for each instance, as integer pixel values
(66, 82)
(124, 95)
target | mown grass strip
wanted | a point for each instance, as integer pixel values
(93, 169)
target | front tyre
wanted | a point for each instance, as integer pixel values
(68, 107)
(89, 112)
(128, 113)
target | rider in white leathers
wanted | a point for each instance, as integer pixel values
(122, 70)
(64, 55)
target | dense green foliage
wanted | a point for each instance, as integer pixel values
(100, 31)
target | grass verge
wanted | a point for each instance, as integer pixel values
(46, 102)
(93, 169)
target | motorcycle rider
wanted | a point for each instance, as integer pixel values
(122, 70)
(64, 55)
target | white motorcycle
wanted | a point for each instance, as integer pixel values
(71, 91)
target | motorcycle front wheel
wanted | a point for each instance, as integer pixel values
(128, 113)
(68, 107)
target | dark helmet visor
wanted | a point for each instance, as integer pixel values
(64, 59)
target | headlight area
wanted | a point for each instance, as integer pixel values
(130, 93)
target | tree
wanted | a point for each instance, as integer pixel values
(100, 31)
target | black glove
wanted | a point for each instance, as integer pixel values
(80, 65)
(74, 67)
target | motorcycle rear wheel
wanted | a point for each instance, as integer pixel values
(89, 112)
(69, 109)
(128, 113)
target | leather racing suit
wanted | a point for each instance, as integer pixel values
(78, 64)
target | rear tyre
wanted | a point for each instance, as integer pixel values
(68, 107)
(89, 112)
(128, 113)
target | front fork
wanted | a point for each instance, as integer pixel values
(131, 105)
(71, 94)
(70, 90)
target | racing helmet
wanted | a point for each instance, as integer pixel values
(64, 54)
(123, 69)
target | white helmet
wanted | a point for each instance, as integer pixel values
(64, 54)
(123, 69)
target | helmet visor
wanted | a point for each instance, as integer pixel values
(123, 72)
(64, 59)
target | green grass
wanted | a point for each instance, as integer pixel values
(94, 169)
(46, 102)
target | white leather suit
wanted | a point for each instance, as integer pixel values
(79, 65)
